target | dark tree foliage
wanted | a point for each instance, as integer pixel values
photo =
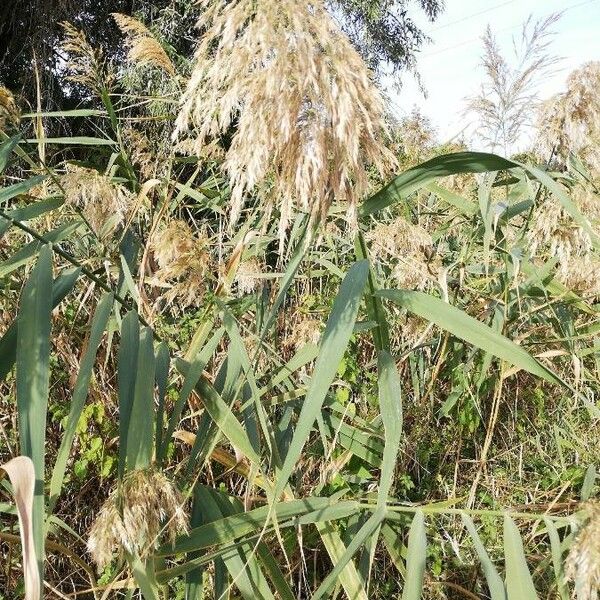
(30, 32)
(383, 30)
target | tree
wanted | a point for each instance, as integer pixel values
(383, 31)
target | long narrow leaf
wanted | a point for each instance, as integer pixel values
(415, 558)
(390, 403)
(333, 345)
(470, 330)
(519, 585)
(33, 376)
(80, 392)
(494, 581)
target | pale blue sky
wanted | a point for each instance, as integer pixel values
(450, 64)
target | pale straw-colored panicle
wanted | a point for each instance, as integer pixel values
(301, 329)
(570, 121)
(583, 561)
(142, 510)
(398, 238)
(580, 275)
(554, 232)
(85, 64)
(248, 276)
(102, 202)
(307, 118)
(554, 229)
(407, 248)
(184, 263)
(142, 47)
(412, 273)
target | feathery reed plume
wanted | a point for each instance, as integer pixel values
(102, 202)
(583, 561)
(143, 47)
(86, 64)
(508, 97)
(570, 121)
(408, 246)
(9, 111)
(307, 117)
(184, 265)
(248, 276)
(555, 231)
(135, 514)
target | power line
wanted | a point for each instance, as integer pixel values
(510, 27)
(477, 14)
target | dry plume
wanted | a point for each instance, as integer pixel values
(307, 117)
(134, 516)
(143, 48)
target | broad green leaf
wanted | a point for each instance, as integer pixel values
(440, 166)
(76, 112)
(192, 372)
(306, 354)
(588, 482)
(28, 212)
(226, 530)
(374, 305)
(492, 577)
(465, 327)
(557, 559)
(74, 141)
(80, 393)
(6, 149)
(163, 363)
(62, 285)
(33, 376)
(364, 533)
(393, 544)
(128, 362)
(390, 403)
(349, 576)
(193, 579)
(466, 162)
(144, 578)
(333, 345)
(140, 437)
(240, 561)
(19, 188)
(226, 421)
(415, 558)
(519, 585)
(464, 206)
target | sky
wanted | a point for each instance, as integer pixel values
(450, 65)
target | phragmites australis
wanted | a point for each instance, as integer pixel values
(583, 561)
(553, 230)
(102, 202)
(408, 248)
(143, 48)
(9, 111)
(183, 260)
(570, 121)
(248, 276)
(85, 64)
(137, 513)
(307, 117)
